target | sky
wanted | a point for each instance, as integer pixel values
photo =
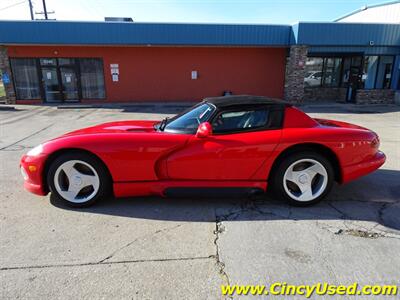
(188, 11)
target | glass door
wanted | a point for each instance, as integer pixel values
(51, 86)
(69, 82)
(59, 80)
(352, 70)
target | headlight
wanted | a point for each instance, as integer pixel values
(35, 151)
(24, 174)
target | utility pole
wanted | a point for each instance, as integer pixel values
(45, 10)
(31, 9)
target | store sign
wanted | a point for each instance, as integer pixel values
(114, 72)
(5, 78)
(68, 77)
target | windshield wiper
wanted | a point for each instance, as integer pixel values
(163, 123)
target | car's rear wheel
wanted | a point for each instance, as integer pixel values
(303, 178)
(78, 179)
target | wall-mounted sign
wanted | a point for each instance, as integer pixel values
(68, 78)
(114, 72)
(5, 78)
(194, 74)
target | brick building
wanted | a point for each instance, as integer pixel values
(62, 62)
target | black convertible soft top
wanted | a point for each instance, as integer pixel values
(226, 101)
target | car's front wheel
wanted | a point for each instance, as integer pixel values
(78, 179)
(303, 178)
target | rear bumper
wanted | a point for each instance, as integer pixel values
(363, 168)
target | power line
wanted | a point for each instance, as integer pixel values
(12, 5)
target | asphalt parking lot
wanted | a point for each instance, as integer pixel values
(154, 248)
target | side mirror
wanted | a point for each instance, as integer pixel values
(204, 130)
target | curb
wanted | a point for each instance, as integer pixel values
(127, 105)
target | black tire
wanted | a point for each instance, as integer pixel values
(103, 175)
(277, 176)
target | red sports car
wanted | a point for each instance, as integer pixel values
(221, 145)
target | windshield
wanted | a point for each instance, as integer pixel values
(188, 122)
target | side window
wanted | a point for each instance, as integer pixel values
(243, 120)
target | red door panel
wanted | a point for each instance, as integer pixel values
(223, 157)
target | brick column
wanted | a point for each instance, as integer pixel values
(5, 69)
(295, 72)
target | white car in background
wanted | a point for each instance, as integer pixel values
(313, 78)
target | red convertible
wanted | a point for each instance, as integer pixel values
(221, 145)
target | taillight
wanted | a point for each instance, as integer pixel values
(375, 142)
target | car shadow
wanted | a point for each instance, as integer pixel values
(374, 198)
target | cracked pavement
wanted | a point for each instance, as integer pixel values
(154, 248)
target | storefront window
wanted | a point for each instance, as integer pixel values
(383, 77)
(25, 78)
(331, 76)
(369, 72)
(322, 72)
(342, 71)
(377, 72)
(313, 71)
(92, 78)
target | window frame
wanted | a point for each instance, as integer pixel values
(271, 108)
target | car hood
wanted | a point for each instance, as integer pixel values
(117, 127)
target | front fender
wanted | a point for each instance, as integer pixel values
(128, 156)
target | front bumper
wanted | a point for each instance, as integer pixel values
(363, 168)
(33, 167)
